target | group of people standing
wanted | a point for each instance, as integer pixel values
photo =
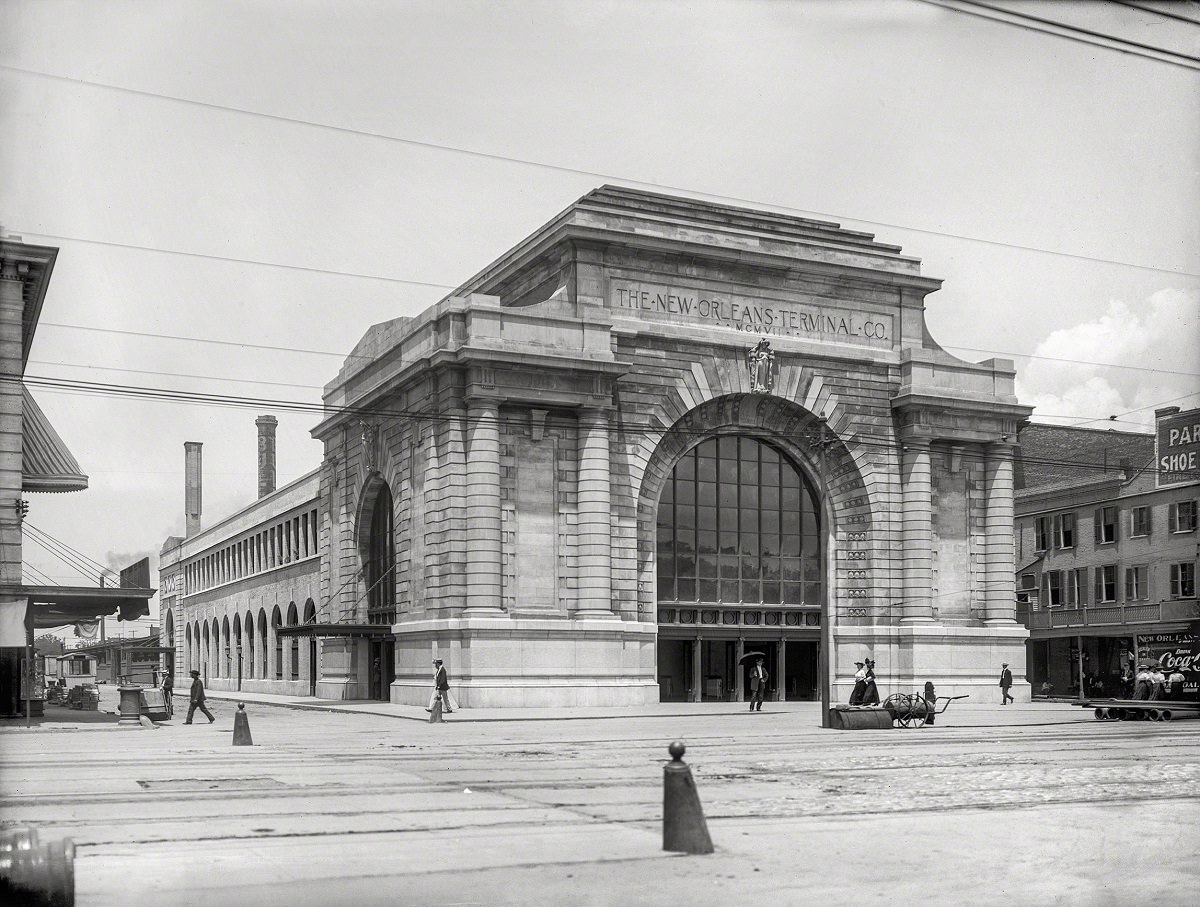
(865, 692)
(1151, 683)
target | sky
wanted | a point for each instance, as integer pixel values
(240, 189)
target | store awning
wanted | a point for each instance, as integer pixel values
(57, 606)
(46, 464)
(363, 631)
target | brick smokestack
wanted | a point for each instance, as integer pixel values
(192, 474)
(266, 454)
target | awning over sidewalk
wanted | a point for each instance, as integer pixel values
(362, 631)
(57, 606)
(47, 464)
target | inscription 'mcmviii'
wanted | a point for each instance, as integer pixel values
(753, 315)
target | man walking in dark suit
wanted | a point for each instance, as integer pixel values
(758, 685)
(1005, 684)
(197, 699)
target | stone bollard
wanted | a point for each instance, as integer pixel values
(36, 874)
(435, 714)
(130, 706)
(684, 828)
(241, 727)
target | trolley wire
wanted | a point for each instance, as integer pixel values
(624, 426)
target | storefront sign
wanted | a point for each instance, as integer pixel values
(753, 315)
(1177, 448)
(1173, 652)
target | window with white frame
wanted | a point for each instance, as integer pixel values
(1052, 588)
(1139, 522)
(1106, 583)
(1075, 587)
(1064, 530)
(1183, 580)
(1183, 516)
(1137, 583)
(1106, 525)
(1041, 533)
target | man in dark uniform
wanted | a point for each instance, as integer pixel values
(197, 700)
(441, 686)
(168, 688)
(1005, 684)
(758, 685)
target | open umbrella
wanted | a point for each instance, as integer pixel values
(749, 655)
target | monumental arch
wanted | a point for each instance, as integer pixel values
(655, 436)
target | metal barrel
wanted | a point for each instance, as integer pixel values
(1102, 714)
(1164, 715)
(1152, 714)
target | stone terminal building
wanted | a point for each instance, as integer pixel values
(656, 435)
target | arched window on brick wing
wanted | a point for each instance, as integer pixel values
(276, 622)
(248, 627)
(204, 650)
(238, 654)
(227, 655)
(187, 646)
(168, 640)
(262, 643)
(294, 663)
(216, 648)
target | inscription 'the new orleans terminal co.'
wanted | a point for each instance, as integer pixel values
(755, 316)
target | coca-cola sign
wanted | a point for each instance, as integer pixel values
(1173, 652)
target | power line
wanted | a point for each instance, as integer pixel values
(1067, 32)
(74, 551)
(659, 187)
(418, 415)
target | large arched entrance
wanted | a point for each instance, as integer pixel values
(740, 565)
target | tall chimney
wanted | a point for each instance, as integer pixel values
(191, 487)
(266, 454)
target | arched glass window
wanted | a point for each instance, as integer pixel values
(216, 648)
(738, 523)
(262, 643)
(381, 562)
(187, 647)
(295, 662)
(228, 655)
(248, 667)
(275, 624)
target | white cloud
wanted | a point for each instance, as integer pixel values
(1129, 361)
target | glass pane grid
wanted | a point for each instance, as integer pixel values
(738, 524)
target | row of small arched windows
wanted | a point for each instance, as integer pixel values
(220, 648)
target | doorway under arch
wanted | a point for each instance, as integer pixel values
(740, 558)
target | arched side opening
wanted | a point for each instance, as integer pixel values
(276, 622)
(294, 660)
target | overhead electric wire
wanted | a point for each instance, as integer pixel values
(74, 565)
(622, 428)
(658, 187)
(37, 574)
(350, 356)
(77, 553)
(1089, 37)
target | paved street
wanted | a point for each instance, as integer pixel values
(1030, 804)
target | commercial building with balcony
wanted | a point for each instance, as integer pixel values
(1107, 544)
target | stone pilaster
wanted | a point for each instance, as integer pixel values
(595, 517)
(483, 508)
(12, 306)
(1000, 594)
(917, 523)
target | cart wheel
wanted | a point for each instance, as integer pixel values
(895, 707)
(920, 710)
(903, 710)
